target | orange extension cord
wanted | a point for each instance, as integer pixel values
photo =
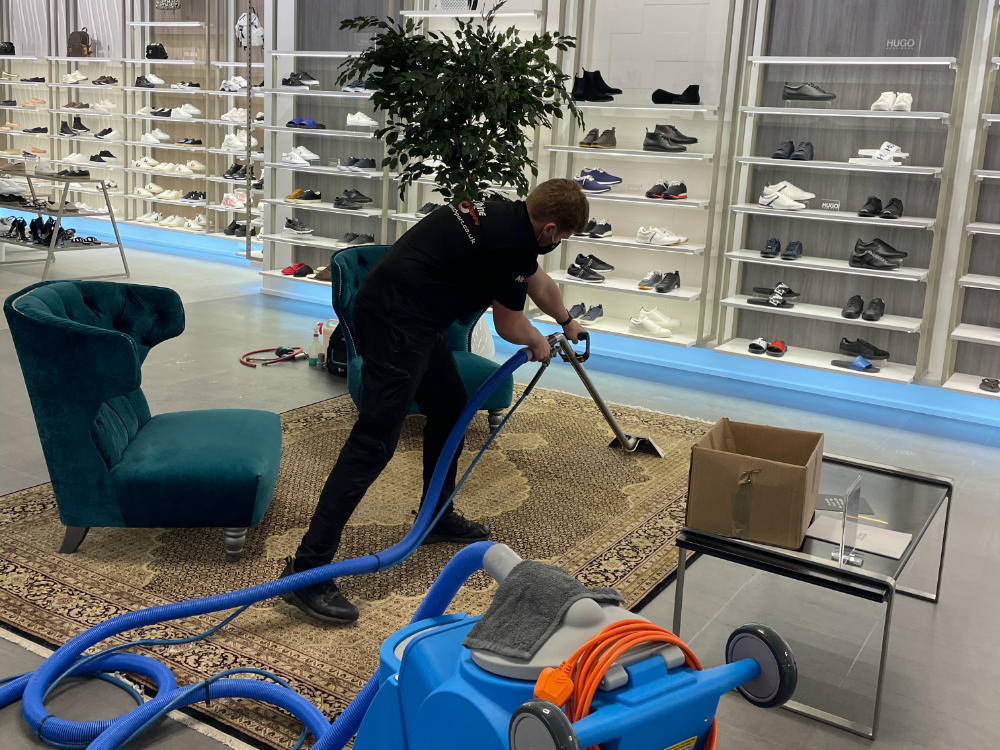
(574, 682)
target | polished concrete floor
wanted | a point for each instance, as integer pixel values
(944, 661)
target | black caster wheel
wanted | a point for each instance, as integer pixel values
(778, 673)
(540, 725)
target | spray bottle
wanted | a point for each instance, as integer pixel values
(314, 345)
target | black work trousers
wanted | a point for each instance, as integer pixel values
(402, 363)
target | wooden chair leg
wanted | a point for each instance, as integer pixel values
(235, 539)
(74, 535)
(495, 417)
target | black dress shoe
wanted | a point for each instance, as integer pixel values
(874, 310)
(862, 347)
(321, 601)
(792, 251)
(454, 527)
(659, 142)
(807, 92)
(771, 249)
(893, 209)
(592, 261)
(690, 95)
(881, 247)
(853, 308)
(675, 135)
(591, 91)
(872, 207)
(584, 273)
(784, 151)
(871, 259)
(579, 92)
(598, 83)
(803, 152)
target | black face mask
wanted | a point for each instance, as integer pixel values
(545, 249)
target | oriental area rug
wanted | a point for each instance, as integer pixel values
(549, 487)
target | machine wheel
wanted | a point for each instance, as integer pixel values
(778, 673)
(540, 725)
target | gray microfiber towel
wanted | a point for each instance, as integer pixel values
(528, 607)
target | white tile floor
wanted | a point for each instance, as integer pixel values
(944, 665)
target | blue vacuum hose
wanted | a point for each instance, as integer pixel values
(109, 734)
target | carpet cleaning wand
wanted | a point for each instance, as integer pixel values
(109, 734)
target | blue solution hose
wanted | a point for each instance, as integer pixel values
(109, 734)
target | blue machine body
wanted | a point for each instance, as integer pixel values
(435, 697)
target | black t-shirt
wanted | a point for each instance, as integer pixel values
(455, 261)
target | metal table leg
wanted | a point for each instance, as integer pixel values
(927, 596)
(679, 589)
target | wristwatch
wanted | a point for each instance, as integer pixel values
(566, 322)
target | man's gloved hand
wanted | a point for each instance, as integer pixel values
(572, 331)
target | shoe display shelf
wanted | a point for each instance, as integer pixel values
(56, 189)
(630, 116)
(972, 351)
(828, 228)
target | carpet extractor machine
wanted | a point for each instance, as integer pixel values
(551, 665)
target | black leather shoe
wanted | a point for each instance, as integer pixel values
(771, 249)
(690, 95)
(893, 209)
(792, 251)
(669, 282)
(874, 310)
(591, 91)
(803, 152)
(579, 92)
(659, 142)
(872, 207)
(808, 92)
(862, 347)
(880, 246)
(784, 151)
(592, 261)
(598, 83)
(675, 135)
(853, 308)
(454, 527)
(871, 259)
(584, 273)
(321, 601)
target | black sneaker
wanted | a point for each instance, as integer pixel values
(231, 229)
(657, 191)
(102, 132)
(852, 310)
(871, 259)
(669, 282)
(78, 126)
(592, 315)
(454, 527)
(792, 251)
(311, 195)
(874, 310)
(584, 273)
(784, 151)
(307, 79)
(294, 81)
(40, 129)
(803, 152)
(893, 209)
(338, 202)
(675, 135)
(592, 261)
(97, 159)
(347, 237)
(241, 231)
(880, 246)
(805, 92)
(427, 208)
(590, 226)
(577, 310)
(771, 249)
(257, 185)
(676, 191)
(362, 239)
(321, 601)
(862, 347)
(65, 129)
(872, 207)
(295, 227)
(356, 196)
(235, 172)
(365, 164)
(602, 229)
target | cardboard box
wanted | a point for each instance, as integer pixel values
(754, 482)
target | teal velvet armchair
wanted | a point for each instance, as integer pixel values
(348, 268)
(81, 345)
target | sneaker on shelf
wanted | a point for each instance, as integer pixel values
(149, 139)
(780, 201)
(154, 79)
(178, 113)
(153, 188)
(153, 217)
(648, 327)
(659, 318)
(195, 166)
(294, 226)
(229, 87)
(292, 158)
(650, 280)
(600, 176)
(592, 315)
(668, 283)
(230, 200)
(142, 193)
(236, 114)
(659, 236)
(589, 185)
(143, 82)
(193, 226)
(159, 135)
(110, 135)
(293, 81)
(593, 262)
(584, 273)
(182, 169)
(305, 153)
(361, 120)
(307, 79)
(65, 129)
(427, 208)
(146, 162)
(145, 111)
(903, 102)
(789, 190)
(356, 196)
(78, 125)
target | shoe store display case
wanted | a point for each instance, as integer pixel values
(845, 139)
(622, 48)
(973, 346)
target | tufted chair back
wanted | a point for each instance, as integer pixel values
(81, 345)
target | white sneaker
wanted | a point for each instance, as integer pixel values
(239, 81)
(195, 166)
(154, 188)
(659, 236)
(154, 79)
(153, 217)
(191, 109)
(884, 102)
(144, 111)
(142, 193)
(232, 143)
(146, 162)
(182, 169)
(779, 201)
(150, 139)
(361, 120)
(903, 103)
(789, 190)
(648, 327)
(659, 318)
(159, 134)
(293, 158)
(192, 225)
(200, 219)
(305, 153)
(164, 166)
(229, 86)
(236, 114)
(75, 77)
(178, 113)
(76, 158)
(230, 200)
(114, 135)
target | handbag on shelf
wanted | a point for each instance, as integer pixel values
(7, 48)
(249, 28)
(156, 51)
(78, 43)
